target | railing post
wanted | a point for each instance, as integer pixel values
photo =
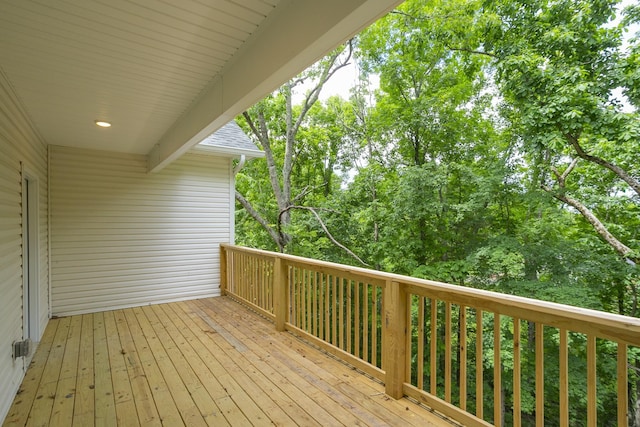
(224, 278)
(394, 356)
(280, 293)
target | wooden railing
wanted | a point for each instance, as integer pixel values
(478, 357)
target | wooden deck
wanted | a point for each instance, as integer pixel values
(195, 363)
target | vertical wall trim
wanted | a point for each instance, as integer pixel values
(31, 240)
(49, 232)
(232, 203)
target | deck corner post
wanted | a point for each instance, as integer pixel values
(224, 277)
(394, 356)
(280, 293)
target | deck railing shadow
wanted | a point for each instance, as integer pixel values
(478, 357)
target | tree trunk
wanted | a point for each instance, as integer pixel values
(280, 178)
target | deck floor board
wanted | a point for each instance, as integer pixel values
(201, 362)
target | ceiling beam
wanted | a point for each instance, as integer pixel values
(294, 36)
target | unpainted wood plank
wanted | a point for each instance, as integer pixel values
(254, 402)
(84, 408)
(224, 390)
(174, 343)
(279, 407)
(43, 404)
(167, 410)
(126, 413)
(313, 400)
(105, 405)
(353, 384)
(197, 372)
(189, 396)
(286, 405)
(252, 332)
(142, 397)
(28, 390)
(62, 411)
(276, 373)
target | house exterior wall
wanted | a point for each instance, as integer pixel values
(122, 237)
(21, 149)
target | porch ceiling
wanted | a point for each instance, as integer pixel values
(166, 74)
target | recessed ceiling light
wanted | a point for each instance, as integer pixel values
(103, 124)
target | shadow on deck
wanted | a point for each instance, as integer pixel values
(200, 362)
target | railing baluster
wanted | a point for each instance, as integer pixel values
(517, 404)
(245, 277)
(326, 280)
(336, 314)
(374, 327)
(299, 298)
(262, 282)
(420, 355)
(356, 320)
(447, 352)
(349, 314)
(257, 266)
(308, 306)
(479, 366)
(564, 379)
(246, 290)
(463, 357)
(271, 278)
(592, 409)
(408, 337)
(341, 339)
(303, 298)
(497, 371)
(238, 268)
(539, 375)
(365, 321)
(301, 288)
(237, 278)
(321, 303)
(254, 279)
(434, 347)
(623, 396)
(316, 302)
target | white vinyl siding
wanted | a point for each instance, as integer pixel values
(122, 237)
(20, 146)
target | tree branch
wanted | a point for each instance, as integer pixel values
(329, 235)
(621, 173)
(598, 226)
(306, 190)
(328, 71)
(562, 177)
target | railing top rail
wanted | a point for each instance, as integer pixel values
(605, 325)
